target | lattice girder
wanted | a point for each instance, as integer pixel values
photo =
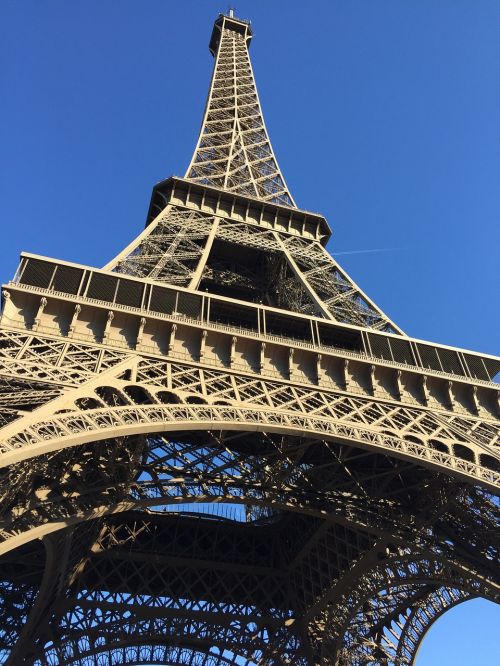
(367, 620)
(233, 150)
(238, 549)
(278, 406)
(125, 563)
(180, 248)
(218, 451)
(289, 487)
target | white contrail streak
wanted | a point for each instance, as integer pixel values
(378, 249)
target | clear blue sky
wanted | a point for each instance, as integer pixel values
(384, 116)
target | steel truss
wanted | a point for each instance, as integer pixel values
(181, 483)
(233, 150)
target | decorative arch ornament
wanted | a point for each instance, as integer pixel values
(219, 451)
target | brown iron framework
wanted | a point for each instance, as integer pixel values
(218, 451)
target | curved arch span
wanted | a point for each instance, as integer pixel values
(374, 601)
(419, 623)
(147, 653)
(354, 516)
(68, 429)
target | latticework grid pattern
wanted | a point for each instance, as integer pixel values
(203, 501)
(234, 151)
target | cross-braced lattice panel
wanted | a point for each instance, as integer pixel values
(369, 494)
(249, 469)
(389, 627)
(172, 248)
(33, 358)
(248, 262)
(19, 397)
(20, 579)
(154, 653)
(189, 583)
(265, 405)
(341, 296)
(383, 614)
(67, 484)
(234, 151)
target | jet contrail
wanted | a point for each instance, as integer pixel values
(378, 249)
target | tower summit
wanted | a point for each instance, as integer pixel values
(218, 451)
(273, 260)
(233, 150)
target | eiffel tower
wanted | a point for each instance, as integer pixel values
(218, 451)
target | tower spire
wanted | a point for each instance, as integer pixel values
(277, 255)
(218, 451)
(233, 150)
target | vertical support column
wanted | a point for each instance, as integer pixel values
(319, 371)
(262, 356)
(232, 351)
(290, 362)
(74, 319)
(140, 332)
(399, 384)
(6, 299)
(425, 390)
(345, 372)
(372, 379)
(449, 387)
(203, 340)
(475, 401)
(110, 317)
(196, 276)
(171, 341)
(41, 308)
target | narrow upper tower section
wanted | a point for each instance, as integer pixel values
(234, 151)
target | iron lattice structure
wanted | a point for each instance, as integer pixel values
(218, 451)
